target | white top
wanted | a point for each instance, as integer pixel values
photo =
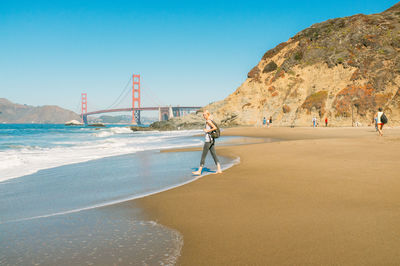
(207, 137)
(379, 117)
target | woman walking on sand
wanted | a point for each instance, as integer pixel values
(208, 144)
(378, 116)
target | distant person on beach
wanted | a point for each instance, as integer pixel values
(326, 121)
(270, 121)
(378, 117)
(314, 121)
(264, 121)
(208, 144)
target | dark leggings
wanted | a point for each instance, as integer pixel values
(208, 146)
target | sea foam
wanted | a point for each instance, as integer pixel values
(23, 160)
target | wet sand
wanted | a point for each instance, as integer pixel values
(324, 196)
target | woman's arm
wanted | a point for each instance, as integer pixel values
(211, 124)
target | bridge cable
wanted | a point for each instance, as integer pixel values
(119, 99)
(152, 95)
(123, 98)
(77, 109)
(152, 98)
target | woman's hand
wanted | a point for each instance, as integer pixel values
(205, 130)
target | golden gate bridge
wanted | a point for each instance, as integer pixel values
(164, 112)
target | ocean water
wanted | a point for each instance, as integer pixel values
(57, 181)
(27, 148)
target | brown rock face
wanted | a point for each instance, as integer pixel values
(343, 69)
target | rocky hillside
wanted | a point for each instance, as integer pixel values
(331, 69)
(18, 113)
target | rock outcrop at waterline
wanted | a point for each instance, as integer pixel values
(191, 121)
(74, 123)
(331, 69)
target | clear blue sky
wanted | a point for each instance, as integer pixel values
(187, 52)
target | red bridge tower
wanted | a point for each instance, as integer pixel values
(135, 99)
(83, 106)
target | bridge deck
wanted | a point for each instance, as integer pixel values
(140, 109)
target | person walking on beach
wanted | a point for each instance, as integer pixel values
(378, 117)
(208, 144)
(264, 121)
(314, 121)
(326, 121)
(270, 121)
(376, 123)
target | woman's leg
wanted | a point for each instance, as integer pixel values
(214, 155)
(380, 129)
(206, 147)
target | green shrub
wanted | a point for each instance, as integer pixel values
(298, 55)
(271, 66)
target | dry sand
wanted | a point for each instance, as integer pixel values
(329, 196)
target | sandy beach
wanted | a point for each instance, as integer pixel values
(323, 196)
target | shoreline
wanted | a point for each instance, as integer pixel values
(96, 225)
(227, 163)
(311, 200)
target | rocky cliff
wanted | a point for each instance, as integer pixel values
(18, 113)
(339, 69)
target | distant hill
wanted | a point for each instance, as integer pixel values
(339, 69)
(48, 114)
(121, 119)
(118, 119)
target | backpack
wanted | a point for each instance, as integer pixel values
(216, 133)
(384, 119)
